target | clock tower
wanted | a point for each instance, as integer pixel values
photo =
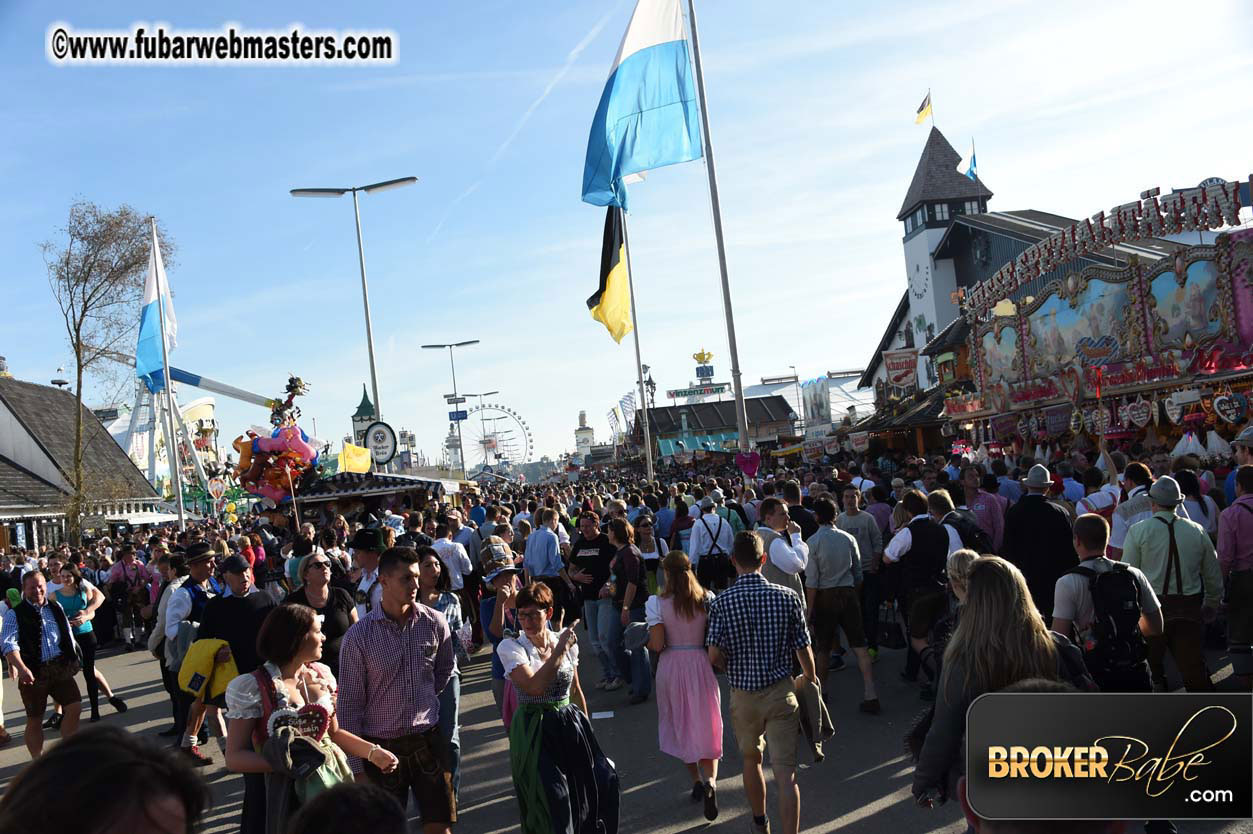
(937, 194)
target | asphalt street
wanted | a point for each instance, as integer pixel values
(861, 786)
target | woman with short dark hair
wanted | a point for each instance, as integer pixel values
(291, 681)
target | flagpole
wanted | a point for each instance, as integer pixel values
(635, 329)
(931, 101)
(741, 416)
(172, 438)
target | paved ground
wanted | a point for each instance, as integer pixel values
(862, 786)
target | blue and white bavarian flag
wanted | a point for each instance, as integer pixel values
(967, 165)
(647, 116)
(148, 355)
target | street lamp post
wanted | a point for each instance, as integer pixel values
(461, 449)
(365, 292)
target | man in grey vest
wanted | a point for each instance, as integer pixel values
(786, 553)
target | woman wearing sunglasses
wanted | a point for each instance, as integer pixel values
(333, 604)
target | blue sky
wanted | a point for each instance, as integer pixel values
(490, 105)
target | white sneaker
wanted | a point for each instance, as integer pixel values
(614, 684)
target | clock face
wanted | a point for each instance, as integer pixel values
(919, 280)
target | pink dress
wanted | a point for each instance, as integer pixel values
(689, 706)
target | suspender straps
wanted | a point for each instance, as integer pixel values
(1173, 559)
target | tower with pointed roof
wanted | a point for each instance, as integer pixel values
(937, 194)
(363, 418)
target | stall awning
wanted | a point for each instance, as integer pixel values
(358, 485)
(134, 519)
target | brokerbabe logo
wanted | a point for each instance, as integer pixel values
(1110, 756)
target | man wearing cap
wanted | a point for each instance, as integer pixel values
(366, 546)
(1235, 557)
(183, 615)
(1242, 449)
(1038, 539)
(1178, 558)
(497, 609)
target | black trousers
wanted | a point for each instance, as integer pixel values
(180, 701)
(87, 642)
(252, 814)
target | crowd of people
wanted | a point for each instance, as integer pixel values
(328, 655)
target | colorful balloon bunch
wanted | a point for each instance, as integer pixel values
(271, 466)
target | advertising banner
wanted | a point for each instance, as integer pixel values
(902, 367)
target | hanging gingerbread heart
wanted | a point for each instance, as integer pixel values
(1098, 420)
(1230, 407)
(1124, 414)
(1033, 425)
(1024, 431)
(1139, 413)
(1076, 422)
(1174, 410)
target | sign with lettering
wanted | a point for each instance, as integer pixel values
(902, 367)
(1211, 206)
(701, 391)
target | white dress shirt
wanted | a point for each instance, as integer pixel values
(904, 540)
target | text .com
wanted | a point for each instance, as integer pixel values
(231, 44)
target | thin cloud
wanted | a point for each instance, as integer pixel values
(557, 78)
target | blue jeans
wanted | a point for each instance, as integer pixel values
(450, 727)
(598, 615)
(641, 678)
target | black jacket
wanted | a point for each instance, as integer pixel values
(1038, 540)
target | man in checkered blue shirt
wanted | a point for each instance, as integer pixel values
(755, 629)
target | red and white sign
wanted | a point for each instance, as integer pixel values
(902, 367)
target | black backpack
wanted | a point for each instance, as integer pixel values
(971, 534)
(1115, 643)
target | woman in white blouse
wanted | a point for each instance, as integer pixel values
(563, 780)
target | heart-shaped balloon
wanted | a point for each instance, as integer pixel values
(1231, 407)
(748, 462)
(1139, 413)
(311, 720)
(1174, 410)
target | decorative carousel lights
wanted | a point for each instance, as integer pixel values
(1157, 353)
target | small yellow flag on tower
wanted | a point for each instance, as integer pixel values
(924, 109)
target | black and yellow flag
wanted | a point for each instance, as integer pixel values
(611, 303)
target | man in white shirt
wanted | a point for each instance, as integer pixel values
(710, 546)
(1136, 508)
(786, 552)
(367, 546)
(453, 555)
(1074, 612)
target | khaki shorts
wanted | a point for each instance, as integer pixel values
(772, 712)
(835, 609)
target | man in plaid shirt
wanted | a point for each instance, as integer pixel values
(755, 630)
(392, 666)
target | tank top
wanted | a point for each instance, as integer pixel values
(72, 606)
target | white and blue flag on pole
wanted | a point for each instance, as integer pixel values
(967, 165)
(149, 362)
(647, 116)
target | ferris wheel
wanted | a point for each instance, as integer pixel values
(496, 434)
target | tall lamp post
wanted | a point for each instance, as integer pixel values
(461, 449)
(365, 292)
(482, 419)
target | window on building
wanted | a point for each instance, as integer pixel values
(941, 211)
(909, 224)
(972, 207)
(920, 217)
